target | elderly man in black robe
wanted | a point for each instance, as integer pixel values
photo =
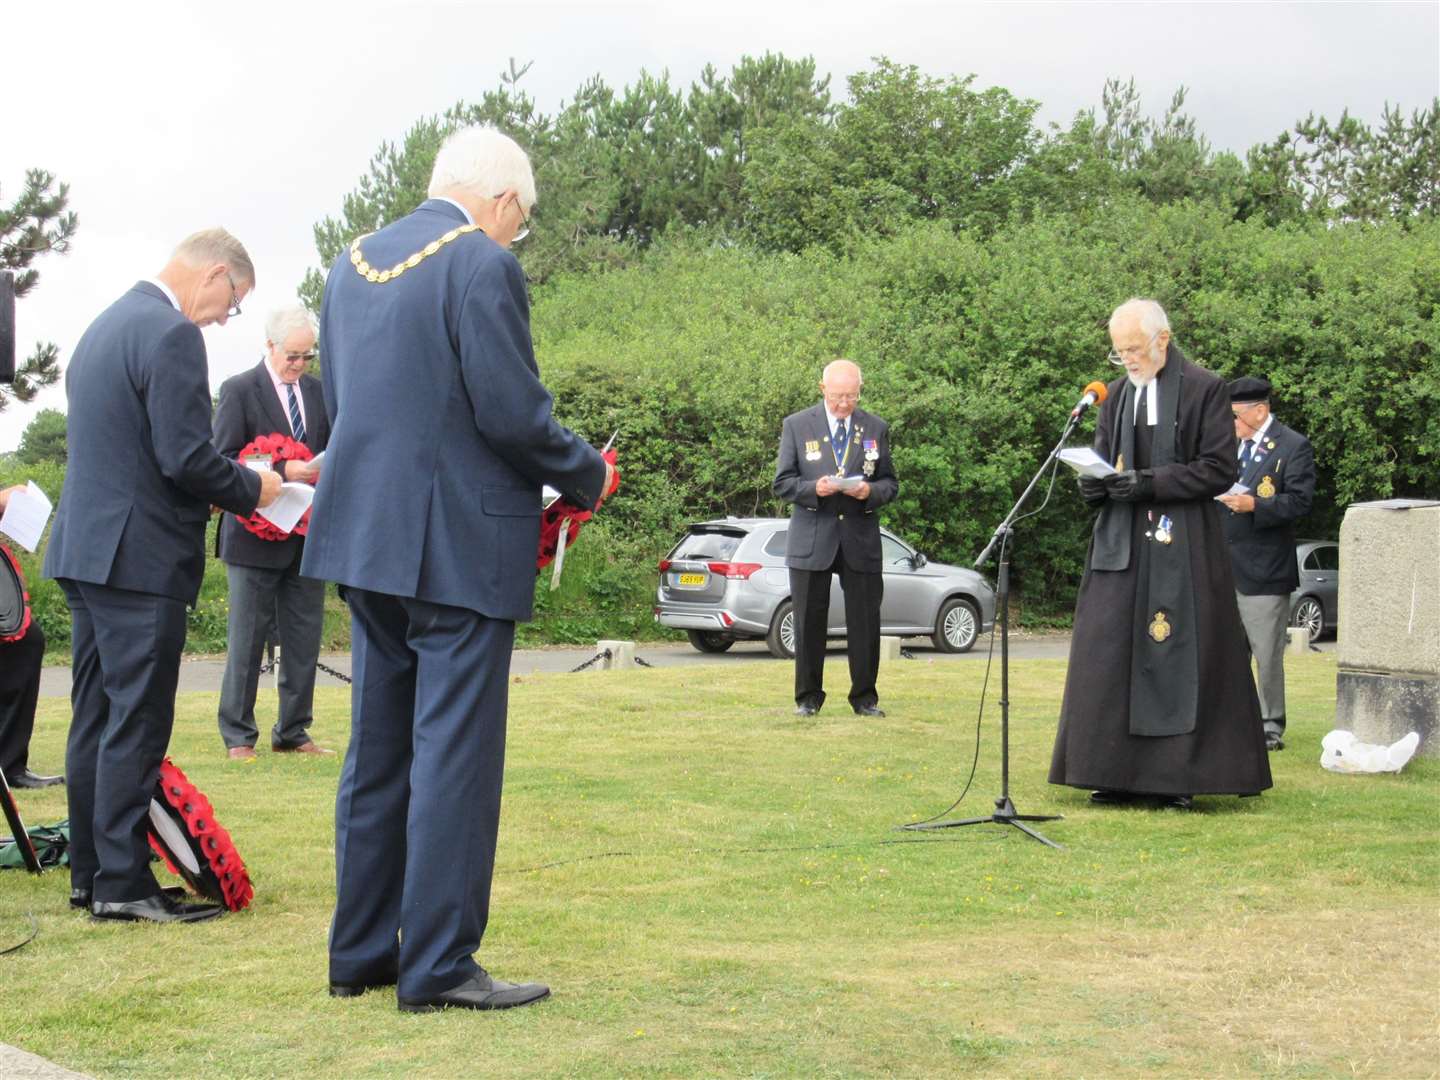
(1158, 699)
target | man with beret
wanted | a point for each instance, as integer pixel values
(1277, 469)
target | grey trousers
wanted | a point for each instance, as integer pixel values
(260, 599)
(1265, 619)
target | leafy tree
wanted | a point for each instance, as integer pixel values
(36, 223)
(44, 438)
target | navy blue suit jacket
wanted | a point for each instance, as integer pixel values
(1281, 476)
(248, 407)
(142, 473)
(441, 432)
(819, 526)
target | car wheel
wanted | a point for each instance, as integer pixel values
(957, 626)
(710, 641)
(781, 638)
(1309, 614)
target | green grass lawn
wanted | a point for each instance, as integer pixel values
(715, 887)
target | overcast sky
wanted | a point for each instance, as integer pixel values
(167, 118)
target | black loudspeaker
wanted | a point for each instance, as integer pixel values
(7, 327)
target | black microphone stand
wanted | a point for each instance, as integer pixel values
(1005, 813)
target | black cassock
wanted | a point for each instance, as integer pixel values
(1158, 696)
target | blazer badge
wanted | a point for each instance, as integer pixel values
(812, 450)
(1160, 629)
(1266, 490)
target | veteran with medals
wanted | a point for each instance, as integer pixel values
(1277, 469)
(834, 468)
(1158, 697)
(427, 514)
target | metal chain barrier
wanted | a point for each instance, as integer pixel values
(643, 662)
(603, 654)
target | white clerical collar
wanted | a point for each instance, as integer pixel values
(468, 219)
(166, 290)
(1152, 402)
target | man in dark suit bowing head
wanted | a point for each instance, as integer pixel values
(835, 469)
(275, 397)
(428, 515)
(128, 549)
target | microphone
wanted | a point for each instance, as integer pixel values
(1095, 393)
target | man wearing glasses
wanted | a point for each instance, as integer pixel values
(1277, 470)
(834, 467)
(1159, 704)
(428, 516)
(128, 549)
(266, 589)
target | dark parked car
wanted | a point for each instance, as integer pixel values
(725, 581)
(1314, 604)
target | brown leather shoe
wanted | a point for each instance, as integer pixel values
(242, 753)
(303, 748)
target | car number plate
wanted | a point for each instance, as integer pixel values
(692, 579)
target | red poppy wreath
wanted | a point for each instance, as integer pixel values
(184, 833)
(279, 448)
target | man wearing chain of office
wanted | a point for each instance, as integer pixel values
(834, 468)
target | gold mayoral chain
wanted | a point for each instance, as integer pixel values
(380, 277)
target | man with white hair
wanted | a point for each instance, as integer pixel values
(128, 549)
(1158, 697)
(834, 469)
(428, 515)
(275, 397)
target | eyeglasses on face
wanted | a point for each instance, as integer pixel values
(297, 357)
(1119, 356)
(830, 396)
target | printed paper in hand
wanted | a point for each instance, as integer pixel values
(289, 506)
(25, 516)
(1086, 462)
(1236, 488)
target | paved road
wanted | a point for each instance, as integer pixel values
(205, 674)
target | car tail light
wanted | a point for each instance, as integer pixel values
(664, 565)
(727, 618)
(737, 570)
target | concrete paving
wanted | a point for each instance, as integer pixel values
(204, 673)
(16, 1064)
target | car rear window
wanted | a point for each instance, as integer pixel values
(708, 545)
(776, 544)
(1328, 557)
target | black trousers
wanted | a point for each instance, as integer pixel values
(126, 663)
(810, 593)
(19, 690)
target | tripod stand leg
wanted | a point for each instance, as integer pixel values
(1026, 829)
(17, 827)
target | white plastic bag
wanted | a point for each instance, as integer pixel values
(1342, 753)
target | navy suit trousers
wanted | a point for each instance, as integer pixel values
(126, 653)
(418, 809)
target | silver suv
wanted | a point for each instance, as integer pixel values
(725, 581)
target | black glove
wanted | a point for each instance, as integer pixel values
(1131, 486)
(1092, 490)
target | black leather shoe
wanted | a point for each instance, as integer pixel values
(349, 990)
(869, 710)
(1111, 798)
(159, 908)
(480, 992)
(27, 779)
(806, 708)
(1177, 802)
(80, 898)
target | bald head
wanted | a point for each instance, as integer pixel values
(840, 383)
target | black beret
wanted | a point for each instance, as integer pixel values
(1249, 388)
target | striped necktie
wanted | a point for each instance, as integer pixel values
(297, 425)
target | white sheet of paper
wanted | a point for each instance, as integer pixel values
(25, 516)
(547, 496)
(289, 506)
(845, 483)
(1236, 488)
(1086, 462)
(318, 458)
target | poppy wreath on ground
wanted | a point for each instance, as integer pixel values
(14, 598)
(192, 844)
(280, 448)
(555, 515)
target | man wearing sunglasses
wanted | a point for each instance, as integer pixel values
(275, 397)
